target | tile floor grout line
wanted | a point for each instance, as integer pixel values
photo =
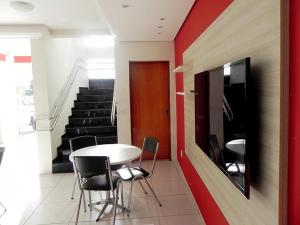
(39, 204)
(31, 213)
(181, 181)
(42, 201)
(190, 194)
(52, 189)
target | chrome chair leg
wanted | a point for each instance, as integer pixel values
(153, 192)
(116, 202)
(142, 187)
(73, 191)
(122, 197)
(90, 200)
(102, 211)
(77, 215)
(129, 200)
(100, 195)
(84, 203)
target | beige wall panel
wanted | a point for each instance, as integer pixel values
(245, 29)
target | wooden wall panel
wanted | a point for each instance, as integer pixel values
(245, 29)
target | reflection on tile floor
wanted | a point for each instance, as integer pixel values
(45, 199)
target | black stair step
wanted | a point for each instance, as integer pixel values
(106, 138)
(93, 105)
(62, 165)
(90, 116)
(90, 112)
(94, 98)
(80, 130)
(102, 91)
(64, 149)
(101, 83)
(89, 121)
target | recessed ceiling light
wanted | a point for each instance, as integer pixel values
(160, 27)
(163, 18)
(158, 32)
(125, 6)
(22, 6)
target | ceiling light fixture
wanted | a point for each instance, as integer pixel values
(160, 27)
(158, 32)
(125, 6)
(163, 18)
(22, 6)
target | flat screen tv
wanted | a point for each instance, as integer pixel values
(221, 115)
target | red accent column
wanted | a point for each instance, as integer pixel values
(201, 16)
(294, 151)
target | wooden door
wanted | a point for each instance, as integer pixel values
(149, 104)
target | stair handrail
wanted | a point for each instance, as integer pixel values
(113, 109)
(64, 93)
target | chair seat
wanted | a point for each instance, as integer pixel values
(127, 174)
(100, 183)
(116, 167)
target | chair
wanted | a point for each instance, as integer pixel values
(94, 174)
(2, 149)
(230, 168)
(138, 173)
(77, 143)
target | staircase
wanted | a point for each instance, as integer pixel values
(91, 115)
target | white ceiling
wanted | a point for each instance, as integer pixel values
(138, 22)
(55, 14)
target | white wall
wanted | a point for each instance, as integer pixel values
(141, 51)
(61, 55)
(40, 88)
(52, 61)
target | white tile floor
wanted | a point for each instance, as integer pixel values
(45, 199)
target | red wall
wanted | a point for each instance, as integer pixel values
(17, 59)
(22, 59)
(294, 151)
(201, 16)
(203, 13)
(2, 57)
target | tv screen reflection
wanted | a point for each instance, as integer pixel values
(220, 119)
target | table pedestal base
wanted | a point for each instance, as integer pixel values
(109, 201)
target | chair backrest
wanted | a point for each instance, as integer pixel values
(216, 152)
(2, 149)
(90, 166)
(150, 145)
(81, 142)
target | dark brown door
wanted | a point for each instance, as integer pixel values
(149, 104)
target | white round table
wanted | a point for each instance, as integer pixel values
(117, 153)
(237, 149)
(237, 146)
